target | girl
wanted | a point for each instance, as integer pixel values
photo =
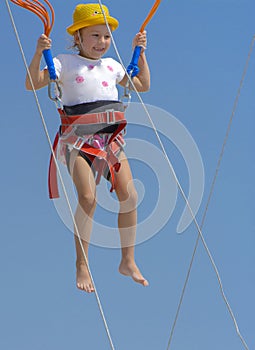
(88, 81)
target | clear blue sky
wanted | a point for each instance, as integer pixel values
(197, 52)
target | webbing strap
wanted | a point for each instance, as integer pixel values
(107, 154)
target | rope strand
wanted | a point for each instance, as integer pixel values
(207, 206)
(59, 174)
(199, 229)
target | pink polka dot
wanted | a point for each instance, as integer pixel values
(79, 79)
(110, 68)
(105, 84)
(91, 66)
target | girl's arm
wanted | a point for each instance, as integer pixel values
(142, 80)
(40, 77)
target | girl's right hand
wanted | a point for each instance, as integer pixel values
(43, 43)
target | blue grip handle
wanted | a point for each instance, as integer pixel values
(49, 61)
(133, 66)
(136, 55)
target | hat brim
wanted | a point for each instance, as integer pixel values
(113, 23)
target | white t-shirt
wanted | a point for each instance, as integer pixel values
(83, 80)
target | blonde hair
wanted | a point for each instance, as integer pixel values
(73, 43)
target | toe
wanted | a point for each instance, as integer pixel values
(145, 283)
(140, 279)
(87, 289)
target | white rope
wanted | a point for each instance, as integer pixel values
(210, 197)
(59, 172)
(200, 235)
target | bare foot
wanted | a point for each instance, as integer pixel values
(129, 268)
(83, 280)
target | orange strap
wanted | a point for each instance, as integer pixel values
(41, 11)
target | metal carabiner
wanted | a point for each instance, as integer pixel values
(127, 95)
(55, 94)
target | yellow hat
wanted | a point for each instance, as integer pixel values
(87, 15)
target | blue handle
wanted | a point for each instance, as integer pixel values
(133, 66)
(49, 61)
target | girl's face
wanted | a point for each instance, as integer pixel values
(94, 41)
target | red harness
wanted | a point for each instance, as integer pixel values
(100, 157)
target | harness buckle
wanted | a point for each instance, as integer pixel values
(110, 116)
(78, 143)
(120, 140)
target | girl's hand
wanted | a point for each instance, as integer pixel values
(43, 43)
(140, 40)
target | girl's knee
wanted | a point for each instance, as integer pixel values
(128, 200)
(133, 197)
(87, 201)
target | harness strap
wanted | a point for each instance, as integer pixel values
(110, 116)
(52, 174)
(100, 157)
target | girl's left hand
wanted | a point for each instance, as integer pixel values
(140, 40)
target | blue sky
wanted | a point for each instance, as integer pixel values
(197, 52)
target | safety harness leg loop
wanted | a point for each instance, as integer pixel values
(101, 157)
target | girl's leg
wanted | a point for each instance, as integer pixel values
(127, 220)
(83, 179)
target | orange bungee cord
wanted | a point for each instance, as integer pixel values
(150, 15)
(41, 11)
(133, 69)
(47, 16)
